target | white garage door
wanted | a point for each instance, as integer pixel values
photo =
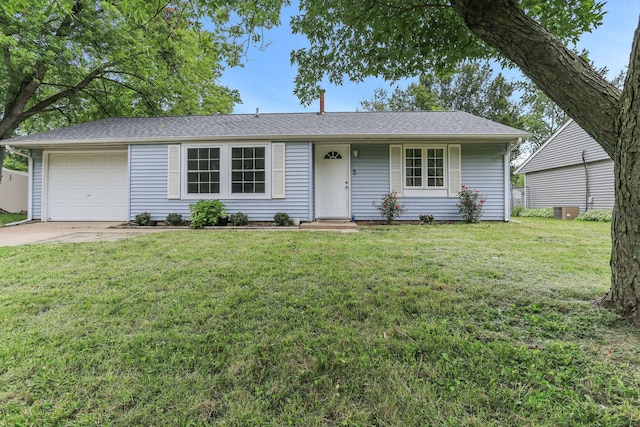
(87, 187)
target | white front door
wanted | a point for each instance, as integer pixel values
(332, 181)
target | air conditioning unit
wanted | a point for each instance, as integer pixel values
(566, 212)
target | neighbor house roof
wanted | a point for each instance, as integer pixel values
(433, 125)
(564, 148)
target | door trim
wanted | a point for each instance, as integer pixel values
(316, 179)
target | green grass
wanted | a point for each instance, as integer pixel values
(6, 218)
(474, 325)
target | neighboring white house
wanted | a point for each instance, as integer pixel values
(13, 191)
(569, 169)
(311, 166)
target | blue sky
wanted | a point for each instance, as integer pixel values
(267, 79)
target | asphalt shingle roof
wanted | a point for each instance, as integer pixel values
(428, 124)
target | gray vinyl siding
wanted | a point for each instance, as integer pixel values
(565, 149)
(482, 169)
(601, 187)
(555, 188)
(37, 185)
(148, 186)
(567, 187)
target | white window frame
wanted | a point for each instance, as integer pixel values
(425, 190)
(225, 171)
(186, 171)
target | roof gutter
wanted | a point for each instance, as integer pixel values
(507, 179)
(347, 138)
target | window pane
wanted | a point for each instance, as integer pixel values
(413, 169)
(248, 165)
(203, 170)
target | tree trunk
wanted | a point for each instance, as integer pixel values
(610, 117)
(624, 295)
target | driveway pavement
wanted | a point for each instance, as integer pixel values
(55, 232)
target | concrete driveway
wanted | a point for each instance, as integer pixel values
(55, 232)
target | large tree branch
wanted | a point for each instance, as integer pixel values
(40, 106)
(14, 109)
(564, 76)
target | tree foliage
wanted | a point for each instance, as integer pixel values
(69, 61)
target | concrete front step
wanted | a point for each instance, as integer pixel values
(329, 225)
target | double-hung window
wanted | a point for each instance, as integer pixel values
(238, 170)
(424, 167)
(203, 170)
(248, 170)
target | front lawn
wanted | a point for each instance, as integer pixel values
(448, 325)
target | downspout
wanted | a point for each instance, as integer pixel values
(507, 179)
(586, 180)
(29, 183)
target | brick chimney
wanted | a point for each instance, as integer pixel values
(321, 112)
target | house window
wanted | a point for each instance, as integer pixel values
(424, 167)
(333, 155)
(203, 170)
(435, 167)
(248, 170)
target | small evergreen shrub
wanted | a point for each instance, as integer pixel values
(206, 213)
(470, 205)
(143, 218)
(239, 219)
(390, 208)
(427, 219)
(598, 215)
(174, 219)
(537, 213)
(282, 219)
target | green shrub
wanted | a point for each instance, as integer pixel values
(143, 218)
(206, 213)
(174, 219)
(239, 219)
(537, 213)
(282, 219)
(598, 215)
(515, 212)
(16, 163)
(427, 219)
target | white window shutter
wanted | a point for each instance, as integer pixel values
(277, 170)
(173, 174)
(395, 169)
(455, 170)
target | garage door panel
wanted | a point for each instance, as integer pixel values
(87, 187)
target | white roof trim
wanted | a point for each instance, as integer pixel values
(535, 153)
(352, 138)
